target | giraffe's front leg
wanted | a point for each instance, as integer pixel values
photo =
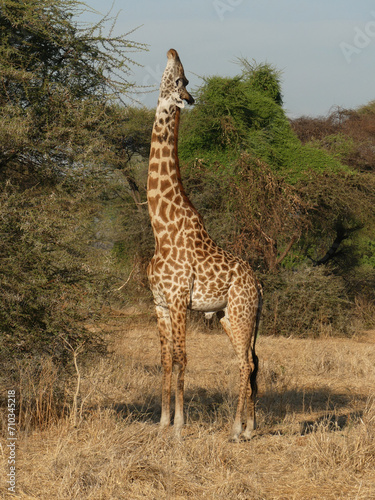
(178, 321)
(166, 344)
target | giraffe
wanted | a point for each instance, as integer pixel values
(188, 270)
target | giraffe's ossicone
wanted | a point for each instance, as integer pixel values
(188, 270)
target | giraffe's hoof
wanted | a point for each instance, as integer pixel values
(236, 432)
(247, 436)
(164, 429)
(234, 438)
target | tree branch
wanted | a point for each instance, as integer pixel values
(286, 251)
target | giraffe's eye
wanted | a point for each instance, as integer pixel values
(182, 82)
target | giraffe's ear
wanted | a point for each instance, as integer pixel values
(177, 100)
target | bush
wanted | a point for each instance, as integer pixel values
(347, 133)
(263, 77)
(231, 117)
(308, 302)
(50, 283)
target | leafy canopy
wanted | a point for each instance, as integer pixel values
(243, 113)
(60, 82)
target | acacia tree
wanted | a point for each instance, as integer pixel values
(58, 83)
(60, 89)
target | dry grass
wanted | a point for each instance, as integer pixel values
(316, 436)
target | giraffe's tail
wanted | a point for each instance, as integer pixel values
(254, 373)
(259, 312)
(253, 376)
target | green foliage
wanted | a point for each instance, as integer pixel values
(58, 84)
(338, 145)
(263, 78)
(63, 136)
(367, 109)
(348, 134)
(227, 110)
(239, 140)
(49, 284)
(367, 251)
(134, 240)
(44, 50)
(282, 202)
(343, 202)
(340, 204)
(231, 117)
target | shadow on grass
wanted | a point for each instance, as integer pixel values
(199, 405)
(330, 407)
(331, 422)
(149, 411)
(302, 401)
(210, 407)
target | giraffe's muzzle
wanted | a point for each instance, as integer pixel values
(187, 97)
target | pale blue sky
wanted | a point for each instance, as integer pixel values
(325, 48)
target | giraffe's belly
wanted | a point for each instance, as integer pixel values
(202, 299)
(208, 307)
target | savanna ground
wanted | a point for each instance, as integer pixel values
(315, 437)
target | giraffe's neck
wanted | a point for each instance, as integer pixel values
(166, 197)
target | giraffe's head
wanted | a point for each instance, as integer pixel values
(174, 81)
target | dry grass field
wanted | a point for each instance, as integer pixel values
(315, 440)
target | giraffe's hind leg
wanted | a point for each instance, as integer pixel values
(254, 363)
(238, 323)
(251, 393)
